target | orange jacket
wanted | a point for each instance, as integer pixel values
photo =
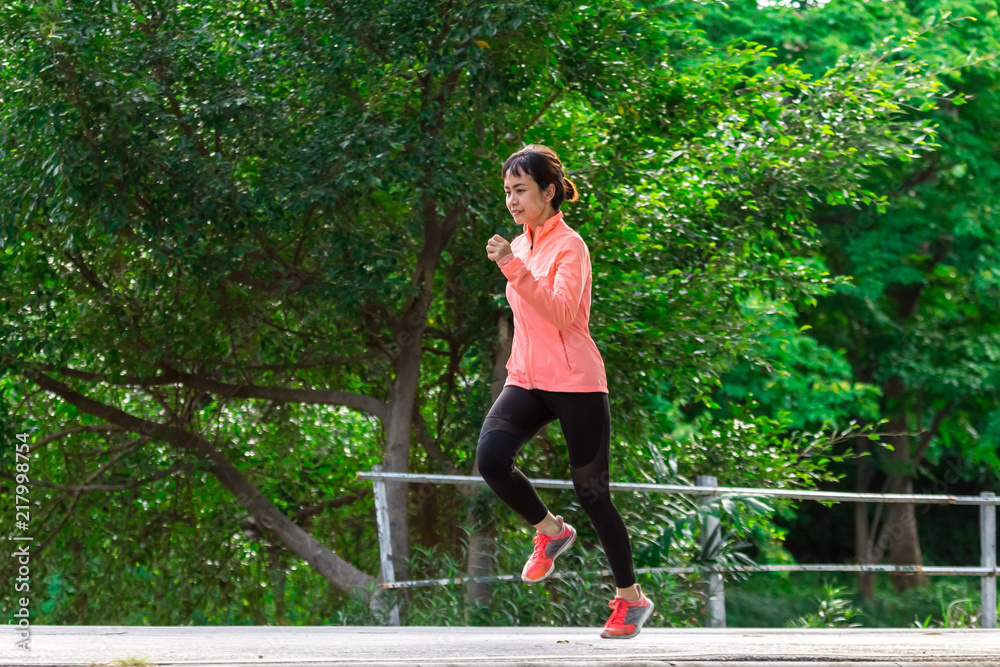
(548, 288)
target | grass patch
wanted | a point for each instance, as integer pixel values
(775, 599)
(128, 661)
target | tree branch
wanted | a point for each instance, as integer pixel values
(175, 107)
(167, 377)
(86, 272)
(90, 428)
(308, 512)
(908, 296)
(429, 444)
(927, 436)
(541, 112)
(318, 363)
(450, 222)
(333, 568)
(361, 402)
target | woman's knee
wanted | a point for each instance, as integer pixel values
(592, 491)
(493, 455)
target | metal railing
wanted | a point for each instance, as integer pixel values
(706, 487)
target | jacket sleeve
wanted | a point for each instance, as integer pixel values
(559, 305)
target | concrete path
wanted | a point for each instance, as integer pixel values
(265, 646)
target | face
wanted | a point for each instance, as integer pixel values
(526, 202)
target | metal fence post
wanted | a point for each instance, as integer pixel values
(715, 594)
(988, 558)
(384, 541)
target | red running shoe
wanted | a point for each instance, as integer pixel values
(627, 618)
(543, 558)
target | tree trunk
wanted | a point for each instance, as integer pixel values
(901, 525)
(862, 540)
(409, 336)
(397, 447)
(482, 535)
(898, 535)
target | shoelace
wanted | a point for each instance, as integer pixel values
(618, 616)
(541, 539)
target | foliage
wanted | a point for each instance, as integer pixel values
(913, 308)
(809, 384)
(779, 599)
(833, 611)
(960, 613)
(234, 220)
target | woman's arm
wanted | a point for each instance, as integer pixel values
(559, 305)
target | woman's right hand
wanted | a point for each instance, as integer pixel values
(497, 247)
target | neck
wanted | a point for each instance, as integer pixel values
(549, 212)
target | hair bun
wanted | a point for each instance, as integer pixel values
(572, 194)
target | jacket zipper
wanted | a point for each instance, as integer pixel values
(527, 350)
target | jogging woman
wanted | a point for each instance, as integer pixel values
(555, 371)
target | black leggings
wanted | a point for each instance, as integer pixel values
(585, 418)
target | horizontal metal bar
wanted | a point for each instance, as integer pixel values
(728, 491)
(965, 571)
(929, 570)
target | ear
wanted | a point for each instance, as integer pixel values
(550, 192)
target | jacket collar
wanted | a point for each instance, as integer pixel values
(544, 228)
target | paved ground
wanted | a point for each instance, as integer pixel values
(239, 646)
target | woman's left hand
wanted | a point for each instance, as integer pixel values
(497, 247)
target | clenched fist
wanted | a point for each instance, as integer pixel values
(497, 247)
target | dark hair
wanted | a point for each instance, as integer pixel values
(542, 164)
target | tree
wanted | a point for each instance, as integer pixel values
(215, 205)
(917, 317)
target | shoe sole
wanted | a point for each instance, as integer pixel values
(638, 626)
(552, 567)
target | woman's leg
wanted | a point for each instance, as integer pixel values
(516, 416)
(585, 419)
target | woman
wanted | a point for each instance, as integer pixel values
(555, 371)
